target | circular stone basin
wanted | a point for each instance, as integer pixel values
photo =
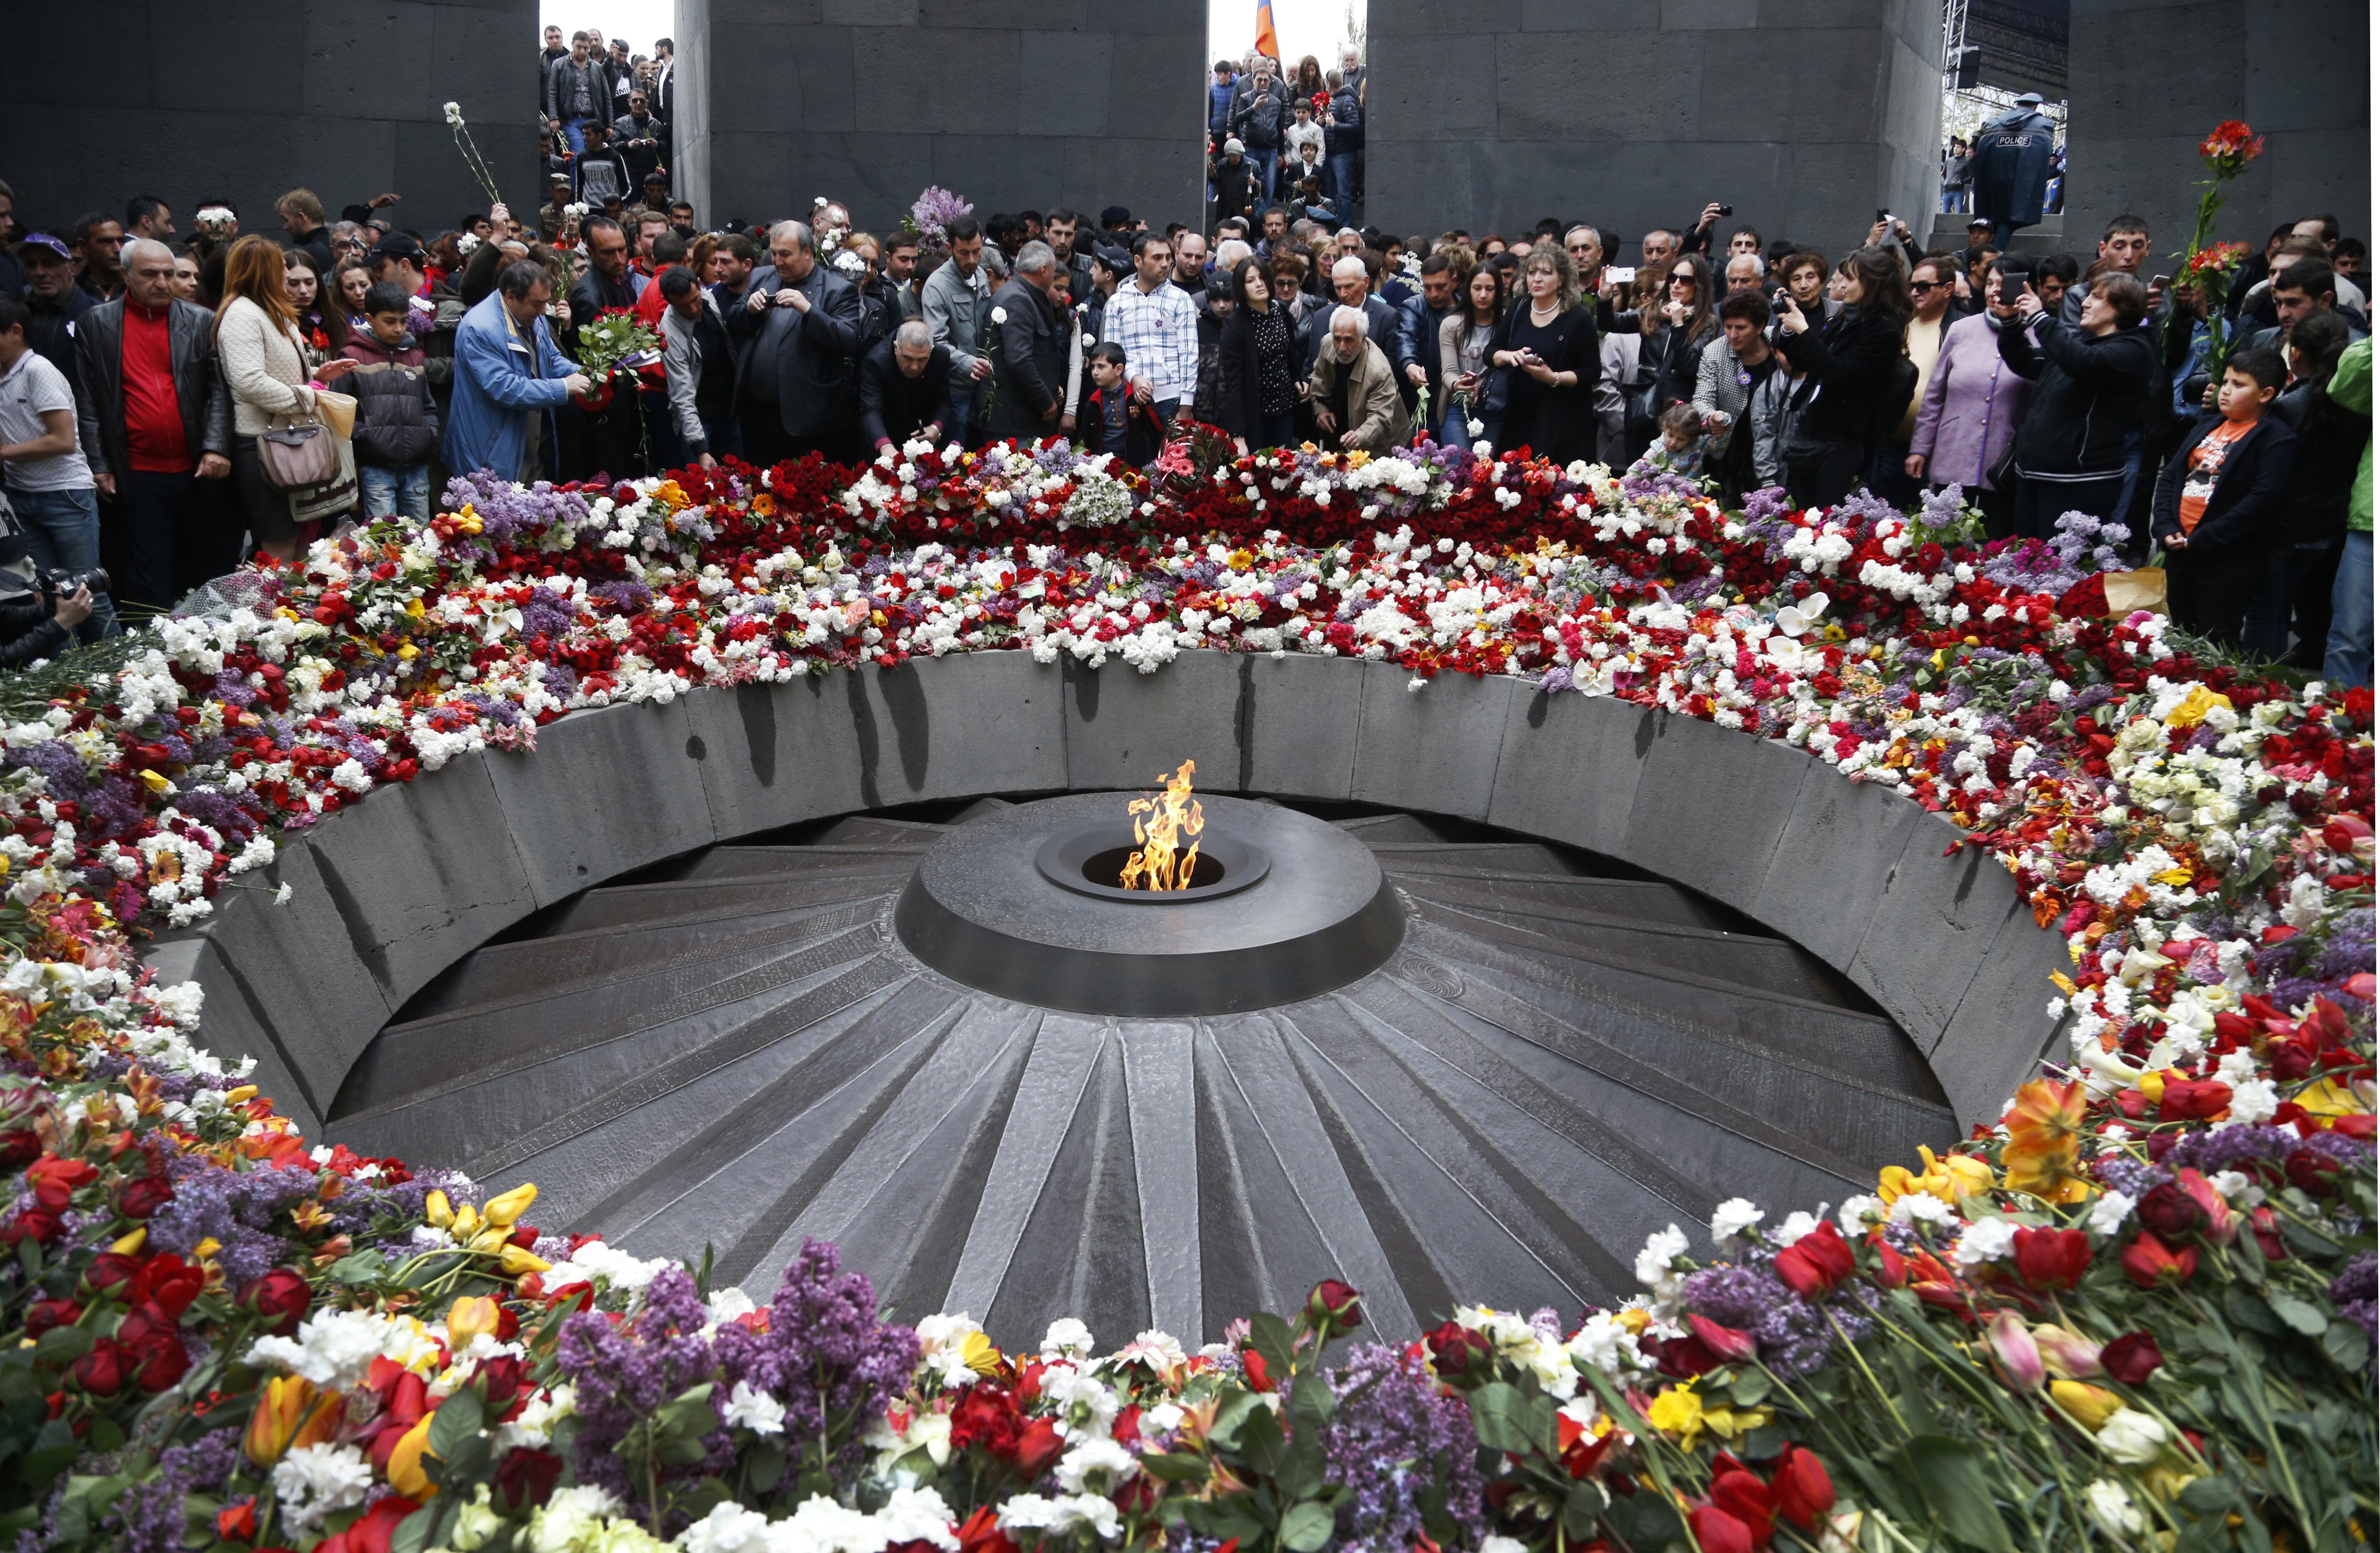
(1012, 905)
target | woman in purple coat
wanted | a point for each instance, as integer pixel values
(1969, 414)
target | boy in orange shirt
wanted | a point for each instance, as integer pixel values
(2218, 506)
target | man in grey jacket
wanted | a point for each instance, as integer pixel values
(578, 89)
(955, 297)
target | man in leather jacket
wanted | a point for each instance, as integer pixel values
(155, 423)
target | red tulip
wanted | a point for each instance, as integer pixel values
(143, 1195)
(2152, 1264)
(980, 1533)
(36, 1224)
(2194, 1099)
(1814, 1265)
(1715, 1531)
(1801, 1489)
(2132, 1358)
(1725, 1342)
(2052, 1258)
(237, 1521)
(1259, 1374)
(1037, 1447)
(54, 1180)
(374, 1532)
(1743, 1496)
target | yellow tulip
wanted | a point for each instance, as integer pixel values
(505, 1211)
(438, 1210)
(130, 1244)
(469, 1317)
(2152, 1086)
(515, 1262)
(283, 1409)
(2330, 1097)
(2087, 1406)
(414, 608)
(405, 1473)
(154, 781)
(240, 1095)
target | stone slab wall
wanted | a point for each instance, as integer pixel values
(2298, 71)
(112, 98)
(1015, 105)
(388, 893)
(1804, 115)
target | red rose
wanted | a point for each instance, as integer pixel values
(102, 1371)
(2152, 1264)
(36, 1224)
(2171, 1213)
(42, 1314)
(499, 1380)
(111, 1273)
(2132, 1358)
(1715, 1531)
(1814, 1265)
(19, 1148)
(1333, 1308)
(281, 1296)
(374, 1532)
(1038, 1448)
(1461, 1357)
(2052, 1258)
(152, 1338)
(143, 1195)
(525, 1478)
(1802, 1490)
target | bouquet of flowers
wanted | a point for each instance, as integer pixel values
(2226, 153)
(616, 343)
(934, 210)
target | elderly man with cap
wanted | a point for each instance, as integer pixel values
(155, 420)
(55, 300)
(2012, 162)
(1234, 180)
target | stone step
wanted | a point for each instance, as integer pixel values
(775, 862)
(2049, 235)
(1748, 960)
(410, 1064)
(1378, 828)
(862, 829)
(1641, 901)
(1471, 856)
(633, 906)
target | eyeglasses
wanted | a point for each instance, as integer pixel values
(1921, 288)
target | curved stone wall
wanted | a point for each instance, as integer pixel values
(388, 893)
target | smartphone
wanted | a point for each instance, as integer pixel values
(1619, 275)
(2158, 282)
(1883, 214)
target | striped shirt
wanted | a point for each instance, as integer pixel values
(1159, 331)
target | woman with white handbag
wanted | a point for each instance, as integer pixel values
(287, 463)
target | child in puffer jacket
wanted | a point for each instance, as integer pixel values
(396, 420)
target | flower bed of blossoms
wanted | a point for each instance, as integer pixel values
(2138, 1312)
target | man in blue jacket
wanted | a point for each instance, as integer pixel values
(508, 379)
(2012, 168)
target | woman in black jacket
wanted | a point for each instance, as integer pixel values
(1683, 321)
(1860, 367)
(1258, 359)
(2095, 386)
(1548, 339)
(2331, 439)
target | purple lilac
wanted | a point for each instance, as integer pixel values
(151, 1516)
(2355, 1291)
(825, 1355)
(626, 1373)
(1390, 1436)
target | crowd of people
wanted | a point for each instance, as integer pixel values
(160, 396)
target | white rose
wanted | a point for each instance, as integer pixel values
(2132, 1436)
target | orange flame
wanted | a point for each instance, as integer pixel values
(1174, 818)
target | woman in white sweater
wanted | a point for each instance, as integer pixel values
(265, 366)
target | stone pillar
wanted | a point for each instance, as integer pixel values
(2298, 71)
(1806, 116)
(1017, 104)
(114, 98)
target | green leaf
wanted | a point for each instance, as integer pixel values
(1301, 1474)
(2297, 1315)
(413, 1532)
(364, 1267)
(1312, 1406)
(1261, 1445)
(764, 1466)
(1951, 1481)
(2208, 1496)
(1180, 1466)
(458, 1418)
(1494, 1415)
(61, 1346)
(1581, 1509)
(1269, 1336)
(1231, 1415)
(1306, 1528)
(2247, 1310)
(1751, 1388)
(2346, 1344)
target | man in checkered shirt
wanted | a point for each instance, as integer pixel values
(1157, 324)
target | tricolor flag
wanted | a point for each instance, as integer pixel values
(1268, 41)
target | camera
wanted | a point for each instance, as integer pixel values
(64, 584)
(1727, 210)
